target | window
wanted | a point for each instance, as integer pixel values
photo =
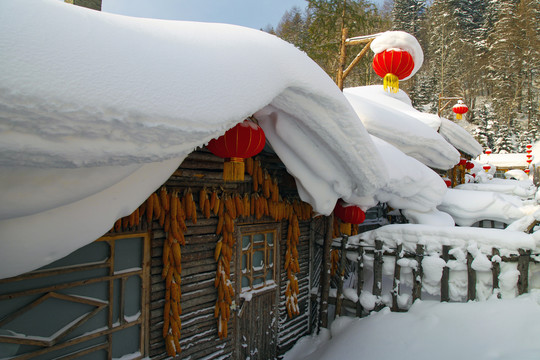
(257, 258)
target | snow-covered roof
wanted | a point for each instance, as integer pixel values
(460, 138)
(522, 188)
(504, 160)
(392, 118)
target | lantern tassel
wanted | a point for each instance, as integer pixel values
(459, 116)
(391, 83)
(233, 169)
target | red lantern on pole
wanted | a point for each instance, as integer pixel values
(244, 140)
(488, 151)
(529, 161)
(529, 146)
(350, 214)
(529, 156)
(487, 167)
(528, 151)
(393, 65)
(527, 171)
(460, 108)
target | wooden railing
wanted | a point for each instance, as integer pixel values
(379, 251)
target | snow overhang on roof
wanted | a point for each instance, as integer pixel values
(85, 93)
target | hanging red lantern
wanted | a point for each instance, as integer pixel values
(487, 167)
(528, 151)
(469, 165)
(460, 108)
(488, 151)
(448, 182)
(529, 161)
(527, 171)
(529, 146)
(350, 214)
(393, 65)
(244, 140)
(463, 162)
(529, 156)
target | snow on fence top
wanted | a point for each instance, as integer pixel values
(434, 237)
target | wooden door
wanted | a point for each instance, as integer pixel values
(257, 292)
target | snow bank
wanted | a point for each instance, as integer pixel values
(494, 329)
(460, 138)
(398, 123)
(433, 237)
(468, 206)
(524, 189)
(504, 160)
(82, 106)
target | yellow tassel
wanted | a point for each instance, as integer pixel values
(459, 116)
(233, 169)
(391, 83)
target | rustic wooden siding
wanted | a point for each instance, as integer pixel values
(199, 328)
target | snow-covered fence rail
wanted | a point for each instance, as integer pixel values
(397, 264)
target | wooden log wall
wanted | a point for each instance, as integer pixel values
(199, 335)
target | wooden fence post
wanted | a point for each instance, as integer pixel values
(360, 280)
(341, 275)
(397, 276)
(418, 273)
(377, 272)
(471, 278)
(523, 268)
(325, 273)
(495, 271)
(445, 296)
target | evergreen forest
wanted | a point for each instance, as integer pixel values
(486, 51)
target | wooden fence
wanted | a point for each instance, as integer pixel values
(379, 251)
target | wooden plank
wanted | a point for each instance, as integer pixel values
(523, 268)
(397, 278)
(445, 295)
(325, 273)
(377, 272)
(418, 273)
(360, 280)
(495, 271)
(471, 278)
(341, 275)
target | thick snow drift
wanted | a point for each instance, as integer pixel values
(460, 138)
(393, 119)
(88, 98)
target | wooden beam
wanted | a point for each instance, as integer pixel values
(356, 60)
(342, 55)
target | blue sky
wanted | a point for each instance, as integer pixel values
(251, 13)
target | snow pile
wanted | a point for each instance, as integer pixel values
(460, 138)
(433, 237)
(524, 189)
(504, 160)
(495, 329)
(468, 206)
(390, 118)
(85, 108)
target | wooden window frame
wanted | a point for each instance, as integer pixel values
(50, 291)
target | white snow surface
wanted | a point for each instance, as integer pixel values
(400, 40)
(494, 329)
(504, 160)
(469, 206)
(101, 124)
(393, 119)
(522, 188)
(460, 138)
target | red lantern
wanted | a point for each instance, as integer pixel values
(528, 146)
(460, 108)
(529, 151)
(448, 182)
(392, 66)
(463, 162)
(244, 140)
(527, 171)
(469, 165)
(487, 167)
(350, 214)
(488, 151)
(529, 156)
(529, 161)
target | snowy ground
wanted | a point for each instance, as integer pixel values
(493, 329)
